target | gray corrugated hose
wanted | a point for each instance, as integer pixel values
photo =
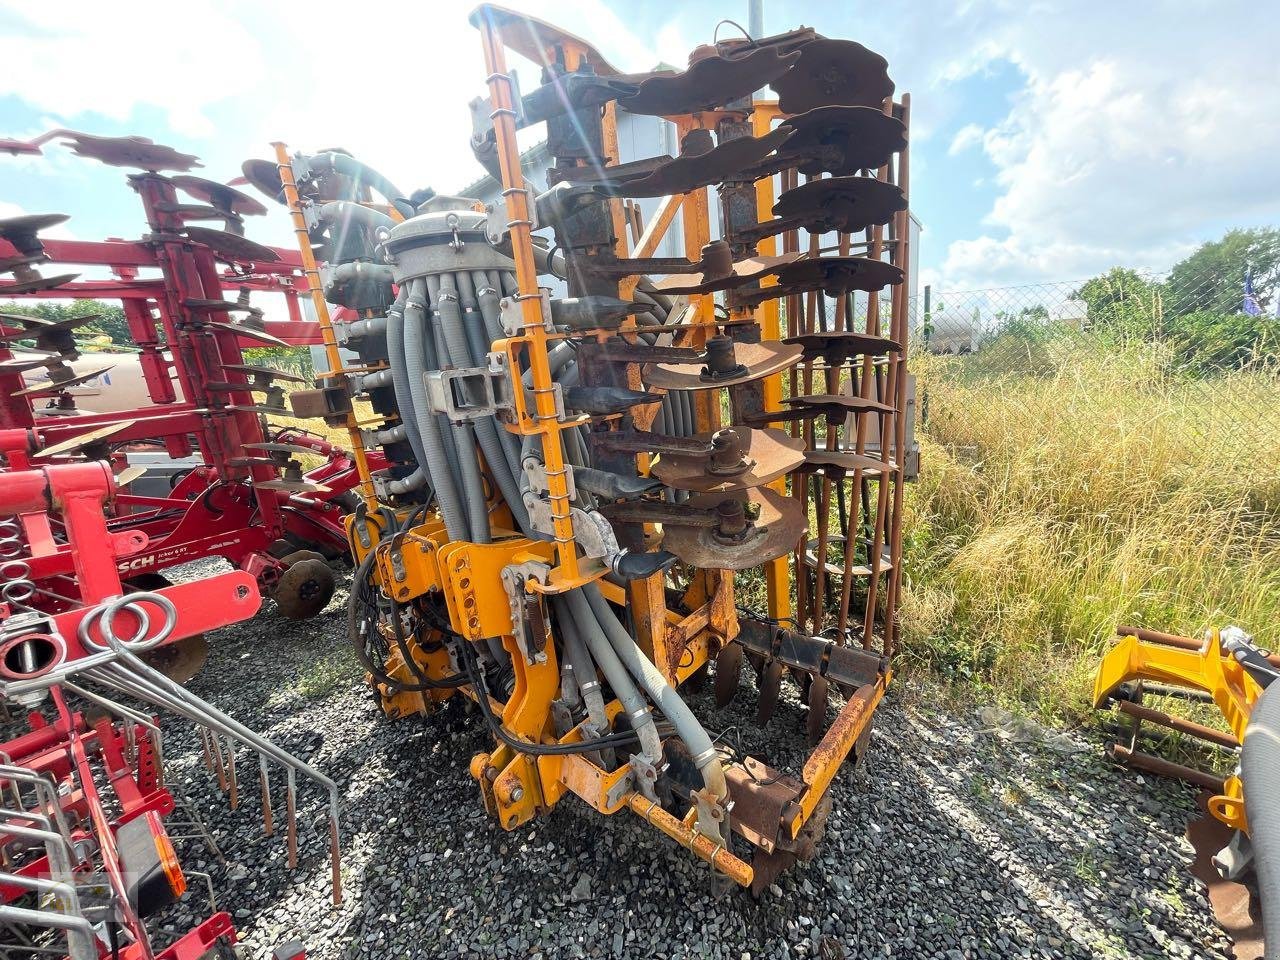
(1260, 773)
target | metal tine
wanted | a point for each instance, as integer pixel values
(45, 790)
(61, 854)
(770, 690)
(264, 781)
(231, 774)
(291, 818)
(139, 679)
(127, 713)
(728, 673)
(208, 751)
(219, 763)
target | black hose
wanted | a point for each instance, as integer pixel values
(524, 746)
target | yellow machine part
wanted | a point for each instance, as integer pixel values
(1208, 669)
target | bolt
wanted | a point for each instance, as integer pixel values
(517, 794)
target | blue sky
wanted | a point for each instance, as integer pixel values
(1051, 139)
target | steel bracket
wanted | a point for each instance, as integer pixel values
(468, 393)
(497, 226)
(528, 627)
(713, 816)
(645, 776)
(512, 314)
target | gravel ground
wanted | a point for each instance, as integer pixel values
(952, 842)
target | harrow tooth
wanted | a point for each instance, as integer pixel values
(728, 673)
(770, 691)
(264, 784)
(232, 783)
(816, 722)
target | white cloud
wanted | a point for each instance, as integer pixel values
(390, 82)
(1140, 129)
(970, 135)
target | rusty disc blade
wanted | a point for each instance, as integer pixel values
(271, 372)
(770, 691)
(533, 38)
(291, 486)
(250, 333)
(816, 722)
(219, 195)
(710, 82)
(845, 204)
(728, 673)
(264, 176)
(727, 162)
(838, 275)
(769, 454)
(853, 404)
(834, 73)
(180, 660)
(57, 386)
(774, 533)
(843, 140)
(129, 474)
(744, 271)
(20, 230)
(38, 283)
(758, 360)
(138, 152)
(79, 442)
(843, 344)
(26, 361)
(844, 461)
(231, 246)
(41, 328)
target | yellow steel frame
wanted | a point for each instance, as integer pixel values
(516, 785)
(1208, 669)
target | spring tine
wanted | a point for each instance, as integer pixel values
(231, 773)
(335, 854)
(728, 673)
(218, 763)
(819, 688)
(770, 688)
(208, 753)
(264, 781)
(291, 815)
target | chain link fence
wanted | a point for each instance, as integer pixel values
(1121, 351)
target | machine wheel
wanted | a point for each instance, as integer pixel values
(181, 660)
(306, 587)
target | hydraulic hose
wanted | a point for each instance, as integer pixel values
(1260, 772)
(584, 668)
(624, 688)
(397, 325)
(434, 459)
(447, 303)
(668, 701)
(364, 175)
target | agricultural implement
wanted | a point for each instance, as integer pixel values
(248, 498)
(87, 860)
(574, 482)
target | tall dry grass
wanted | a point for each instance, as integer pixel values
(1106, 489)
